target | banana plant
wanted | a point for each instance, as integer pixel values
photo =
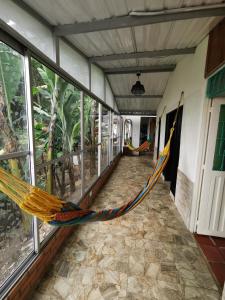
(12, 113)
(59, 110)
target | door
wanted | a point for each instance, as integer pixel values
(211, 219)
(170, 172)
(159, 132)
(143, 129)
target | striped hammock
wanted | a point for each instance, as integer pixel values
(54, 211)
(143, 147)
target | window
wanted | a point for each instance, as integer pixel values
(91, 123)
(56, 107)
(116, 133)
(219, 155)
(58, 158)
(105, 138)
(16, 242)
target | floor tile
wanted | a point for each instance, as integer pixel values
(147, 254)
(219, 271)
(204, 240)
(222, 251)
(219, 241)
(212, 253)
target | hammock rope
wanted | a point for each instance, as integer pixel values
(54, 211)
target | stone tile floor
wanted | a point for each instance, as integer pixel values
(147, 254)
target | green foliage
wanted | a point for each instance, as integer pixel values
(12, 83)
(53, 94)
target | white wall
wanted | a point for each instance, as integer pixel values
(74, 64)
(188, 77)
(27, 26)
(97, 82)
(109, 95)
(136, 121)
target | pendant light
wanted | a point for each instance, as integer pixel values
(138, 88)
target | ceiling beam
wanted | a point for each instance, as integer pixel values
(144, 54)
(138, 96)
(137, 112)
(143, 69)
(142, 18)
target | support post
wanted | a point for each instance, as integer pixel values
(82, 141)
(99, 137)
(30, 123)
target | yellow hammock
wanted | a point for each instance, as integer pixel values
(49, 208)
(141, 148)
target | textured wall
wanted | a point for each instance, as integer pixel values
(184, 196)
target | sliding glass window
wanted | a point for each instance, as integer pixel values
(54, 118)
(16, 240)
(91, 131)
(56, 110)
(105, 138)
(116, 133)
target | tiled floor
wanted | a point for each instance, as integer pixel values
(147, 254)
(214, 250)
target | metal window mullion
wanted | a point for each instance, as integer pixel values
(30, 124)
(111, 136)
(99, 137)
(82, 140)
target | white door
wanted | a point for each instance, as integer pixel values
(211, 219)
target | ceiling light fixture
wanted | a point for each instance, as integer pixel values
(138, 88)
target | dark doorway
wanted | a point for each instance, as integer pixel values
(170, 171)
(144, 129)
(159, 131)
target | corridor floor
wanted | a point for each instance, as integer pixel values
(147, 254)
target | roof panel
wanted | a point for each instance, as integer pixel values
(70, 11)
(178, 34)
(137, 104)
(104, 42)
(154, 83)
(140, 62)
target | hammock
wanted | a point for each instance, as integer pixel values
(141, 148)
(54, 211)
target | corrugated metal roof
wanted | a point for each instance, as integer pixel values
(140, 62)
(154, 83)
(178, 34)
(132, 104)
(71, 11)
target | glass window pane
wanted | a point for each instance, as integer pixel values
(13, 125)
(65, 180)
(16, 241)
(91, 121)
(105, 138)
(57, 135)
(219, 155)
(56, 114)
(115, 135)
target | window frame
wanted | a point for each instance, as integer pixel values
(28, 51)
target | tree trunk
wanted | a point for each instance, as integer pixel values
(10, 146)
(49, 184)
